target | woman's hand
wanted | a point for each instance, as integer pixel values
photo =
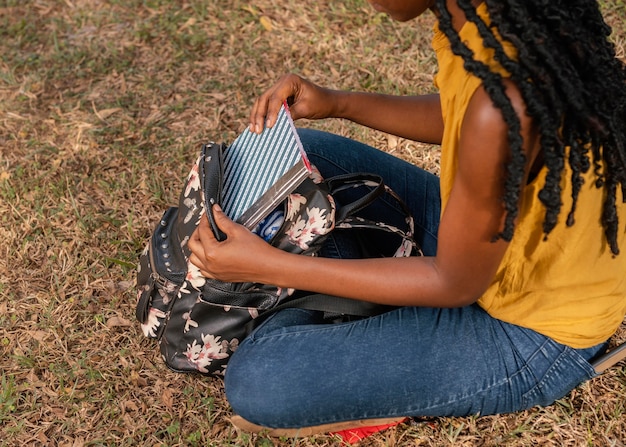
(305, 99)
(236, 259)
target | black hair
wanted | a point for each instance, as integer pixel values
(574, 88)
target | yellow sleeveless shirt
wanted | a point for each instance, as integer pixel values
(568, 287)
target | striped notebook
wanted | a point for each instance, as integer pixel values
(260, 170)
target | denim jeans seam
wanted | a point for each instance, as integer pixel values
(254, 338)
(470, 395)
(417, 410)
(552, 372)
(527, 396)
(540, 349)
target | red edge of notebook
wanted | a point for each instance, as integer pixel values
(305, 159)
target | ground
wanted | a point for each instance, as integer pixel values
(103, 107)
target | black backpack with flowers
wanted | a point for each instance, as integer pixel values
(199, 322)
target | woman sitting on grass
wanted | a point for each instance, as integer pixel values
(522, 281)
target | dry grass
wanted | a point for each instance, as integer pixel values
(103, 105)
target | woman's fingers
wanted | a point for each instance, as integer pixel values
(257, 115)
(265, 110)
(211, 256)
(200, 243)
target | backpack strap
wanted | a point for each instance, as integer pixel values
(212, 173)
(343, 182)
(334, 306)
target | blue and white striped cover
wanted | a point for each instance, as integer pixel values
(255, 163)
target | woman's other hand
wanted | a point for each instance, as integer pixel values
(305, 99)
(235, 259)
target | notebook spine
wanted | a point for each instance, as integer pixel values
(274, 195)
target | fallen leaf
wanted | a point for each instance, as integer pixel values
(123, 286)
(218, 96)
(129, 405)
(40, 336)
(266, 23)
(118, 322)
(251, 9)
(105, 113)
(137, 380)
(33, 380)
(168, 398)
(191, 22)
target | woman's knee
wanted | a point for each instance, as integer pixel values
(254, 393)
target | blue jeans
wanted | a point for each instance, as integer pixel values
(297, 370)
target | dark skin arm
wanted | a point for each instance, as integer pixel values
(386, 113)
(466, 261)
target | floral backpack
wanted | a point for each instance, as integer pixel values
(199, 322)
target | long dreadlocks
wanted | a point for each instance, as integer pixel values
(574, 88)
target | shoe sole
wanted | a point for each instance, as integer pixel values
(304, 432)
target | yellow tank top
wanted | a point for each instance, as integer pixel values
(568, 287)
